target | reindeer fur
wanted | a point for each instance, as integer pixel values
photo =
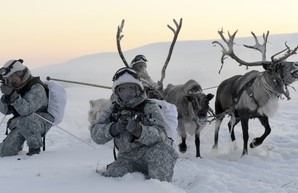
(96, 108)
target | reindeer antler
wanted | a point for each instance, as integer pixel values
(230, 52)
(176, 33)
(119, 36)
(260, 47)
(288, 51)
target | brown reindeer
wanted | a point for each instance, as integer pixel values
(254, 94)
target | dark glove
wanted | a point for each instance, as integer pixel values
(118, 128)
(6, 90)
(12, 123)
(134, 127)
(13, 97)
(5, 99)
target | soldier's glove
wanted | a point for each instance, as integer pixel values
(118, 128)
(134, 127)
(6, 90)
(13, 97)
(12, 123)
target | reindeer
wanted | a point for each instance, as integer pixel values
(254, 94)
(192, 104)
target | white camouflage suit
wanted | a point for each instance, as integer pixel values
(26, 126)
(150, 154)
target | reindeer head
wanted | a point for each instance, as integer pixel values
(198, 102)
(288, 72)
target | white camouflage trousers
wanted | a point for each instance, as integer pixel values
(27, 128)
(158, 163)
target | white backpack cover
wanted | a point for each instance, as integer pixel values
(170, 116)
(57, 101)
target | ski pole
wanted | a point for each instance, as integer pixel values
(81, 83)
(210, 88)
(63, 130)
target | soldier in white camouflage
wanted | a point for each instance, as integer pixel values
(138, 130)
(153, 90)
(23, 95)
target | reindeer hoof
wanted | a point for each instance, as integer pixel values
(244, 153)
(255, 143)
(182, 148)
(215, 147)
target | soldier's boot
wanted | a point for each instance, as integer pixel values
(33, 151)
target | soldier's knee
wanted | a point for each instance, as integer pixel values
(118, 168)
(161, 162)
(162, 151)
(11, 146)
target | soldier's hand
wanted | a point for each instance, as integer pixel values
(6, 90)
(13, 97)
(117, 128)
(134, 127)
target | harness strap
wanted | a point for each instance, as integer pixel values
(114, 152)
(247, 88)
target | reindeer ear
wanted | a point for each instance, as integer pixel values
(210, 96)
(264, 66)
(91, 102)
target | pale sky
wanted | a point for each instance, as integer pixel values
(54, 31)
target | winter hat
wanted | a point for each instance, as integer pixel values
(138, 59)
(126, 75)
(11, 67)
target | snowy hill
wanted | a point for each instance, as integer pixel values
(70, 162)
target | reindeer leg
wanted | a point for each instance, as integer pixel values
(197, 142)
(231, 126)
(244, 124)
(217, 127)
(259, 140)
(182, 146)
(233, 122)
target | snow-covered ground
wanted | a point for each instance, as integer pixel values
(71, 161)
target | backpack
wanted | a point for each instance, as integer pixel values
(170, 116)
(57, 100)
(56, 97)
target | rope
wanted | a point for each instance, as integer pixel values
(2, 120)
(229, 111)
(64, 130)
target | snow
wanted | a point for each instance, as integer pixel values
(72, 163)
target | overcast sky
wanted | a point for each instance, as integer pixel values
(53, 31)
